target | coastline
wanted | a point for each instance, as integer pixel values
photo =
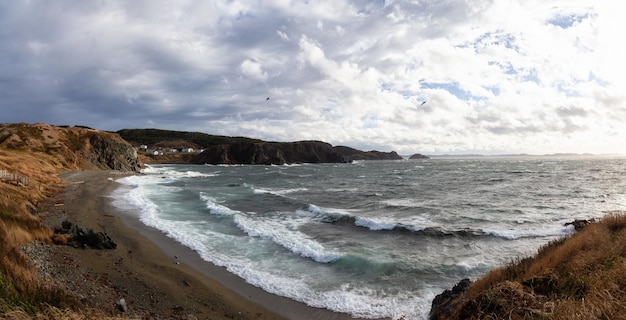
(157, 276)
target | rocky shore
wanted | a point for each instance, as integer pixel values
(152, 284)
(146, 275)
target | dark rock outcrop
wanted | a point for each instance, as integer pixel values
(352, 154)
(579, 224)
(418, 156)
(85, 238)
(443, 305)
(108, 151)
(286, 152)
(269, 153)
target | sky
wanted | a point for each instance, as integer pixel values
(412, 76)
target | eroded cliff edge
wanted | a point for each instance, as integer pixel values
(285, 152)
(76, 147)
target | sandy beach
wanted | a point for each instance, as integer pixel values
(157, 277)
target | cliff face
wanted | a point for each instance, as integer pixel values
(241, 150)
(269, 153)
(352, 154)
(75, 147)
(108, 151)
(286, 152)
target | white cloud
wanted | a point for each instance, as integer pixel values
(282, 35)
(507, 76)
(253, 69)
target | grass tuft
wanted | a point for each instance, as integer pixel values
(578, 277)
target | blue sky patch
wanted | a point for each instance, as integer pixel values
(451, 87)
(566, 21)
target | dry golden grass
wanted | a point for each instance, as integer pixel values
(581, 277)
(54, 313)
(39, 153)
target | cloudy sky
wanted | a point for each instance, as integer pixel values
(428, 76)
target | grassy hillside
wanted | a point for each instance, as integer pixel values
(154, 136)
(32, 156)
(580, 277)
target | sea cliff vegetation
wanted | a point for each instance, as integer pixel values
(579, 277)
(32, 156)
(582, 276)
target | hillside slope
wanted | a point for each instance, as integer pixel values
(579, 277)
(154, 136)
(241, 150)
(31, 158)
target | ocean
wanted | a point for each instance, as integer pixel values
(372, 238)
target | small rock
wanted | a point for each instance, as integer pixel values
(443, 304)
(121, 304)
(579, 224)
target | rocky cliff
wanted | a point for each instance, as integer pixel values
(75, 147)
(108, 151)
(352, 154)
(269, 153)
(286, 152)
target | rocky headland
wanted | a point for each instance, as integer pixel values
(163, 146)
(285, 153)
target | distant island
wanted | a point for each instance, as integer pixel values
(417, 156)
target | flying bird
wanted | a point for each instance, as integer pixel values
(421, 104)
(267, 99)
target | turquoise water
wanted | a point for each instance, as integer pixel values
(372, 238)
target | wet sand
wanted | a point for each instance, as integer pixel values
(158, 277)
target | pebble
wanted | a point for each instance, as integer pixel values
(121, 304)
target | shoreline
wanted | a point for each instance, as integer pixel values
(150, 270)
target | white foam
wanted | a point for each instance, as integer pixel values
(518, 233)
(277, 192)
(358, 300)
(334, 212)
(371, 223)
(284, 232)
(216, 208)
(171, 172)
(375, 224)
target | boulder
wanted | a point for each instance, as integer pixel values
(85, 238)
(444, 303)
(579, 224)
